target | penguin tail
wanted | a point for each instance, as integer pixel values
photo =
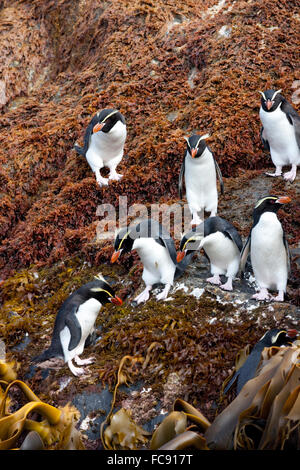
(80, 150)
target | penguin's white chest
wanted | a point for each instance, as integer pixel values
(105, 147)
(268, 253)
(223, 254)
(86, 314)
(200, 182)
(281, 137)
(158, 265)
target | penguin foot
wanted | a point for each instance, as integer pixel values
(227, 285)
(196, 220)
(290, 175)
(214, 280)
(263, 294)
(82, 362)
(75, 370)
(102, 181)
(115, 176)
(144, 296)
(164, 294)
(277, 173)
(279, 297)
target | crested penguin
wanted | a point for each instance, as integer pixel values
(75, 322)
(280, 132)
(274, 337)
(268, 249)
(199, 169)
(104, 141)
(156, 249)
(222, 245)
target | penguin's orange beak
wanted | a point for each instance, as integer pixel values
(284, 200)
(115, 256)
(194, 153)
(116, 300)
(98, 127)
(269, 104)
(180, 256)
(292, 333)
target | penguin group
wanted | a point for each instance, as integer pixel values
(266, 248)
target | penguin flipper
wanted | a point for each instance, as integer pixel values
(293, 118)
(264, 141)
(231, 383)
(181, 176)
(288, 254)
(220, 177)
(235, 237)
(71, 321)
(244, 254)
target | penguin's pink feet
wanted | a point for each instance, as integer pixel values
(77, 371)
(164, 294)
(82, 362)
(227, 285)
(214, 280)
(144, 296)
(277, 172)
(279, 297)
(115, 176)
(291, 175)
(263, 294)
(102, 181)
(196, 219)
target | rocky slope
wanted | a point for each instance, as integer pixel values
(171, 68)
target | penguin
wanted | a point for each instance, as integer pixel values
(199, 169)
(275, 337)
(75, 322)
(280, 132)
(157, 252)
(222, 245)
(268, 249)
(104, 141)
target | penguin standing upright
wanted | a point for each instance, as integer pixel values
(157, 252)
(275, 337)
(221, 243)
(268, 248)
(75, 322)
(280, 132)
(199, 169)
(104, 141)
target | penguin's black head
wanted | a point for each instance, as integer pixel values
(100, 290)
(196, 144)
(277, 337)
(190, 242)
(271, 99)
(269, 204)
(105, 120)
(123, 243)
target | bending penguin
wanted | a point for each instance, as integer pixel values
(199, 169)
(104, 141)
(75, 322)
(268, 249)
(280, 132)
(157, 252)
(274, 337)
(222, 245)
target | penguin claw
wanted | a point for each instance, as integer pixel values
(103, 182)
(116, 177)
(213, 280)
(272, 174)
(261, 296)
(290, 176)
